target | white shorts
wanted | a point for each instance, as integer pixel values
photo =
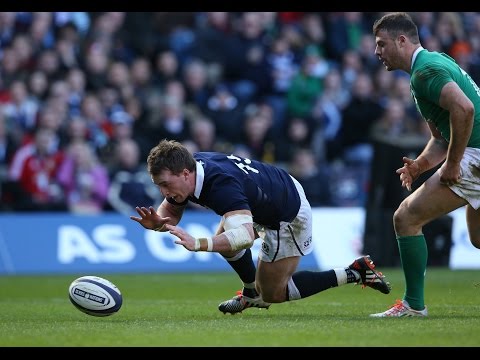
(293, 238)
(469, 186)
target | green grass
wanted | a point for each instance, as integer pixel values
(180, 310)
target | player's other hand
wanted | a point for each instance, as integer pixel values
(450, 173)
(409, 172)
(184, 238)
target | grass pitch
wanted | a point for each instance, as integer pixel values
(180, 310)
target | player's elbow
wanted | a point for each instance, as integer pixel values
(467, 109)
(239, 238)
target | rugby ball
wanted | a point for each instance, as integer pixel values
(95, 296)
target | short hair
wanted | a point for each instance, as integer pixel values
(396, 24)
(169, 155)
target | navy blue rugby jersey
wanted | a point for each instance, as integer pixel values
(234, 183)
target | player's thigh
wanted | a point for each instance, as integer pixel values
(272, 277)
(430, 201)
(473, 225)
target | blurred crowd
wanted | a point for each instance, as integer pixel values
(85, 95)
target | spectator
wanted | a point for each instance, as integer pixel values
(448, 29)
(351, 66)
(366, 51)
(383, 82)
(282, 65)
(118, 76)
(425, 23)
(257, 134)
(313, 29)
(34, 168)
(48, 61)
(245, 63)
(395, 126)
(84, 180)
(315, 179)
(358, 118)
(400, 89)
(344, 31)
(212, 37)
(7, 28)
(96, 65)
(195, 79)
(8, 146)
(21, 110)
(110, 99)
(141, 78)
(38, 86)
(306, 85)
(10, 67)
(202, 132)
(226, 112)
(77, 88)
(130, 185)
(122, 128)
(327, 116)
(50, 118)
(75, 129)
(166, 68)
(23, 47)
(299, 134)
(99, 126)
(171, 124)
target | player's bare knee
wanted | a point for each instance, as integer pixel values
(406, 221)
(399, 220)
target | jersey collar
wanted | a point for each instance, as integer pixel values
(414, 56)
(199, 179)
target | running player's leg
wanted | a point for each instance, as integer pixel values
(428, 202)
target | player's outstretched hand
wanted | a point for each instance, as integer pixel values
(149, 218)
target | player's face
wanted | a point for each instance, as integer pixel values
(177, 187)
(386, 50)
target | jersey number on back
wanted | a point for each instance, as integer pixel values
(243, 164)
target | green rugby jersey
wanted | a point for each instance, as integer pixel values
(430, 72)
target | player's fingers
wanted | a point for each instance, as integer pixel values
(143, 210)
(408, 161)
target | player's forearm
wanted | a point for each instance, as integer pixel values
(218, 243)
(223, 243)
(175, 213)
(433, 154)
